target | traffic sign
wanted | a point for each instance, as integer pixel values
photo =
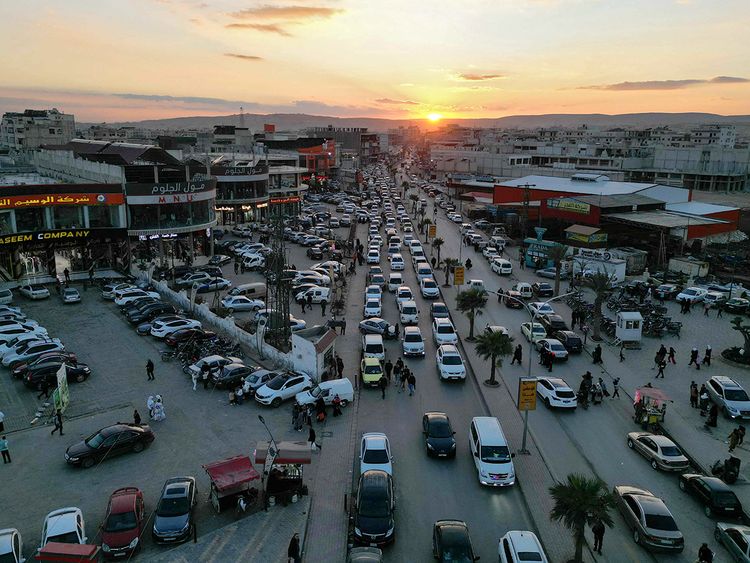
(527, 394)
(458, 275)
(432, 231)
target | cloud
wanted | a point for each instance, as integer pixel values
(266, 28)
(473, 77)
(396, 102)
(243, 57)
(287, 13)
(665, 84)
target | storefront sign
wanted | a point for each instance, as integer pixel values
(170, 188)
(527, 394)
(61, 236)
(569, 205)
(242, 170)
(282, 200)
(596, 237)
(21, 201)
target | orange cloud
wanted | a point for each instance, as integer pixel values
(396, 102)
(266, 28)
(286, 13)
(478, 77)
(666, 84)
(243, 57)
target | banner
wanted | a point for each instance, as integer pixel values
(458, 275)
(61, 395)
(69, 235)
(569, 205)
(527, 394)
(21, 201)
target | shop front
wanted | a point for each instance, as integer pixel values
(241, 193)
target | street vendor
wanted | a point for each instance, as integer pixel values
(640, 409)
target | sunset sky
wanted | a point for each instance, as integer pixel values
(117, 60)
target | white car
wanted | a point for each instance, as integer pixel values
(554, 392)
(538, 332)
(443, 331)
(31, 349)
(397, 262)
(162, 330)
(692, 294)
(133, 295)
(373, 257)
(11, 546)
(65, 525)
(189, 279)
(373, 291)
(554, 346)
(404, 293)
(429, 288)
(34, 291)
(282, 387)
(325, 279)
(253, 261)
(14, 340)
(70, 295)
(109, 290)
(450, 364)
(373, 308)
(241, 303)
(412, 341)
(375, 453)
(501, 266)
(490, 252)
(541, 308)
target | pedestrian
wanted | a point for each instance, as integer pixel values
(323, 308)
(622, 356)
(4, 449)
(706, 309)
(44, 389)
(382, 383)
(336, 405)
(242, 267)
(397, 370)
(308, 301)
(412, 381)
(293, 552)
(616, 387)
(694, 394)
(703, 399)
(343, 326)
(672, 354)
(232, 397)
(150, 370)
(136, 418)
(603, 387)
(597, 354)
(707, 357)
(734, 437)
(66, 273)
(598, 530)
(311, 438)
(2, 421)
(302, 303)
(205, 369)
(194, 375)
(705, 555)
(573, 318)
(550, 359)
(713, 415)
(388, 370)
(694, 357)
(662, 365)
(239, 395)
(58, 423)
(517, 355)
(236, 268)
(719, 310)
(542, 356)
(340, 366)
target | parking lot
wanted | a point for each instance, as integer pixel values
(200, 427)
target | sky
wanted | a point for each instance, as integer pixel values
(127, 60)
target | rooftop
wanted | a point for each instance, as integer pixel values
(663, 219)
(586, 184)
(698, 208)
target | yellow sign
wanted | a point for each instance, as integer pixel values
(527, 394)
(458, 275)
(432, 231)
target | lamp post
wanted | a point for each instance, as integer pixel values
(533, 316)
(270, 458)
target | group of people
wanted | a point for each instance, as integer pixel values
(594, 391)
(155, 406)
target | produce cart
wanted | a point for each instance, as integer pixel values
(231, 478)
(284, 479)
(650, 407)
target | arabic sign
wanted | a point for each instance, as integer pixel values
(19, 201)
(73, 235)
(458, 275)
(170, 188)
(596, 237)
(280, 200)
(527, 394)
(432, 231)
(569, 205)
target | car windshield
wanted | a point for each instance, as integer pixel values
(662, 522)
(374, 504)
(671, 451)
(276, 382)
(726, 498)
(70, 537)
(120, 522)
(451, 360)
(95, 440)
(172, 506)
(373, 368)
(538, 329)
(735, 395)
(429, 284)
(375, 456)
(495, 454)
(690, 292)
(440, 429)
(557, 347)
(413, 338)
(440, 309)
(445, 329)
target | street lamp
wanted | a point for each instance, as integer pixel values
(270, 458)
(533, 316)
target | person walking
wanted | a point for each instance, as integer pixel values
(517, 355)
(311, 438)
(340, 366)
(44, 389)
(694, 358)
(136, 418)
(733, 438)
(662, 365)
(302, 304)
(598, 530)
(719, 310)
(622, 356)
(66, 273)
(672, 354)
(2, 421)
(597, 354)
(239, 395)
(336, 405)
(205, 369)
(58, 423)
(323, 307)
(706, 309)
(343, 326)
(694, 394)
(402, 381)
(616, 387)
(705, 555)
(388, 370)
(397, 371)
(707, 357)
(308, 302)
(382, 383)
(293, 551)
(150, 370)
(236, 268)
(4, 450)
(194, 375)
(412, 381)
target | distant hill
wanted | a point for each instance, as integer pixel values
(293, 121)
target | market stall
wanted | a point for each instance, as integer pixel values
(284, 477)
(231, 478)
(650, 407)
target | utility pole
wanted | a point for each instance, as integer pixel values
(526, 201)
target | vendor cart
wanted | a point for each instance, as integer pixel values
(650, 407)
(284, 477)
(231, 478)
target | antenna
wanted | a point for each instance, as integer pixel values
(242, 117)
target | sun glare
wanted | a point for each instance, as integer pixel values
(434, 117)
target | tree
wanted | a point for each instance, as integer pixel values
(448, 265)
(601, 284)
(414, 198)
(423, 224)
(581, 502)
(471, 302)
(493, 346)
(744, 330)
(557, 254)
(436, 244)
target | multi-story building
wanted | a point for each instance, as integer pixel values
(349, 138)
(33, 128)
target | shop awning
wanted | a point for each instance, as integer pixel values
(289, 453)
(230, 472)
(582, 230)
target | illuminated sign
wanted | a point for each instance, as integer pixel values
(281, 200)
(72, 235)
(458, 275)
(21, 201)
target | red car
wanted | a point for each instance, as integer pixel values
(516, 302)
(123, 524)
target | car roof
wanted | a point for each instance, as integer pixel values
(725, 381)
(556, 382)
(412, 329)
(523, 541)
(715, 484)
(448, 349)
(652, 505)
(123, 500)
(661, 440)
(442, 320)
(373, 478)
(171, 486)
(453, 531)
(435, 415)
(375, 440)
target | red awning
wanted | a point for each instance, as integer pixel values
(230, 472)
(289, 453)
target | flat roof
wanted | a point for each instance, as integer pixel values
(663, 219)
(582, 230)
(594, 187)
(622, 200)
(698, 208)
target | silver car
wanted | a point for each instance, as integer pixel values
(736, 538)
(646, 514)
(661, 452)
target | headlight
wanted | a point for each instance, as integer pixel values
(131, 545)
(453, 446)
(732, 409)
(429, 446)
(357, 532)
(483, 473)
(73, 459)
(389, 532)
(186, 526)
(105, 548)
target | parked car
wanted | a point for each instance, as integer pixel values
(736, 538)
(192, 278)
(542, 289)
(150, 312)
(161, 329)
(550, 273)
(559, 351)
(692, 294)
(197, 335)
(513, 299)
(729, 396)
(375, 453)
(231, 376)
(70, 295)
(219, 260)
(737, 305)
(214, 362)
(123, 523)
(109, 290)
(134, 295)
(241, 303)
(451, 542)
(374, 506)
(19, 370)
(541, 308)
(30, 349)
(11, 546)
(449, 363)
(535, 333)
(717, 497)
(108, 442)
(173, 517)
(35, 376)
(214, 284)
(659, 450)
(282, 387)
(553, 323)
(667, 291)
(555, 392)
(570, 340)
(374, 325)
(520, 546)
(651, 521)
(34, 292)
(438, 435)
(65, 525)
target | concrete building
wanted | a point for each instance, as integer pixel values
(32, 128)
(350, 138)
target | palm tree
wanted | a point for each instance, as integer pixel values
(557, 254)
(580, 502)
(471, 302)
(493, 346)
(414, 198)
(601, 284)
(437, 242)
(423, 224)
(449, 264)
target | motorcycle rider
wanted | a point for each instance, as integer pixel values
(468, 263)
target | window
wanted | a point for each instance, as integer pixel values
(67, 216)
(30, 220)
(103, 216)
(5, 224)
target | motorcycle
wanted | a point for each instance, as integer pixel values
(468, 264)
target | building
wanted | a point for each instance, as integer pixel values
(32, 128)
(350, 138)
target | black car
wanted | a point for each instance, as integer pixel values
(219, 260)
(155, 310)
(552, 323)
(173, 517)
(374, 506)
(717, 498)
(315, 252)
(57, 357)
(138, 304)
(570, 340)
(193, 334)
(231, 376)
(107, 442)
(542, 289)
(451, 542)
(48, 371)
(438, 435)
(213, 271)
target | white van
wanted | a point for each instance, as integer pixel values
(318, 294)
(524, 289)
(372, 347)
(491, 453)
(327, 390)
(408, 312)
(395, 280)
(256, 290)
(498, 242)
(502, 266)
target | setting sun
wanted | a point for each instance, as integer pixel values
(434, 117)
